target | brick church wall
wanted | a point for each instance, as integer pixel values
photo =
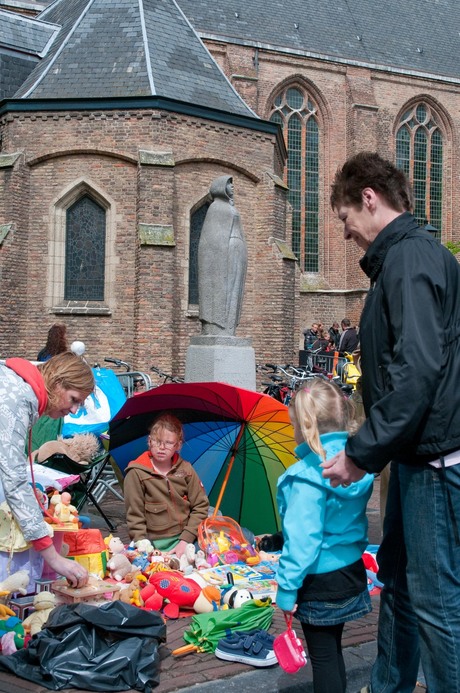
(150, 320)
(359, 109)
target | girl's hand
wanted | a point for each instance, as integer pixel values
(290, 613)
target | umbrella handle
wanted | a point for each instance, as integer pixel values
(229, 469)
(185, 649)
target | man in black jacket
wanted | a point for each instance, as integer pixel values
(349, 339)
(410, 357)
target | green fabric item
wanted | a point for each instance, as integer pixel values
(167, 543)
(44, 430)
(207, 629)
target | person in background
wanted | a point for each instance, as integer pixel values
(321, 576)
(310, 335)
(411, 397)
(56, 342)
(55, 388)
(334, 336)
(164, 497)
(349, 339)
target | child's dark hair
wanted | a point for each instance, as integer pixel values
(319, 408)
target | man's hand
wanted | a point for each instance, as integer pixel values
(341, 470)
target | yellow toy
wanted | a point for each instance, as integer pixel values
(44, 603)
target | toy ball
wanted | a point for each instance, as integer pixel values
(78, 348)
(236, 598)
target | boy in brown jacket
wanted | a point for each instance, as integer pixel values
(164, 498)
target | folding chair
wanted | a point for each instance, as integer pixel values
(90, 474)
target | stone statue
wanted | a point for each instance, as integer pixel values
(222, 262)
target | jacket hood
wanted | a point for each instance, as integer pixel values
(309, 468)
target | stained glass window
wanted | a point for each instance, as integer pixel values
(85, 251)
(196, 224)
(419, 153)
(295, 110)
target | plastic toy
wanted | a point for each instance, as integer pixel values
(64, 511)
(289, 650)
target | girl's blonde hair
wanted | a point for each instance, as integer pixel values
(322, 408)
(69, 371)
(170, 423)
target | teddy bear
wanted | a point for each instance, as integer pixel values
(44, 603)
(132, 593)
(114, 545)
(17, 582)
(119, 566)
(81, 448)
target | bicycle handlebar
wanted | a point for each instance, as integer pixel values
(118, 362)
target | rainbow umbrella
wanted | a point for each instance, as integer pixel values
(239, 442)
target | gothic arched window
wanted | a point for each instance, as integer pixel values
(85, 251)
(196, 224)
(295, 111)
(419, 150)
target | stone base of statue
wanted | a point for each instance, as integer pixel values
(224, 359)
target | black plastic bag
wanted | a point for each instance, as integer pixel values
(113, 647)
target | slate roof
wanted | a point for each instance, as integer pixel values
(126, 48)
(405, 35)
(25, 34)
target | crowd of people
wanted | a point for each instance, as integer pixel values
(343, 338)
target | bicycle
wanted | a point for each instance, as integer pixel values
(132, 382)
(166, 377)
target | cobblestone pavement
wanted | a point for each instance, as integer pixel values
(207, 674)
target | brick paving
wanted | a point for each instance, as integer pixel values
(200, 670)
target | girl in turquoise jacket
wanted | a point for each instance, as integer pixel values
(321, 575)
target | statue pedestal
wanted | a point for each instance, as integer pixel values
(221, 359)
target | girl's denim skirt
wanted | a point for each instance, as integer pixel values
(335, 611)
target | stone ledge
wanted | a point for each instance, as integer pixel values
(81, 308)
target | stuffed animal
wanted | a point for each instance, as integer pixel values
(12, 637)
(187, 560)
(235, 598)
(131, 594)
(144, 546)
(81, 448)
(200, 560)
(183, 592)
(119, 566)
(44, 603)
(17, 582)
(114, 544)
(152, 600)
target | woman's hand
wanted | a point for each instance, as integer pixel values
(75, 573)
